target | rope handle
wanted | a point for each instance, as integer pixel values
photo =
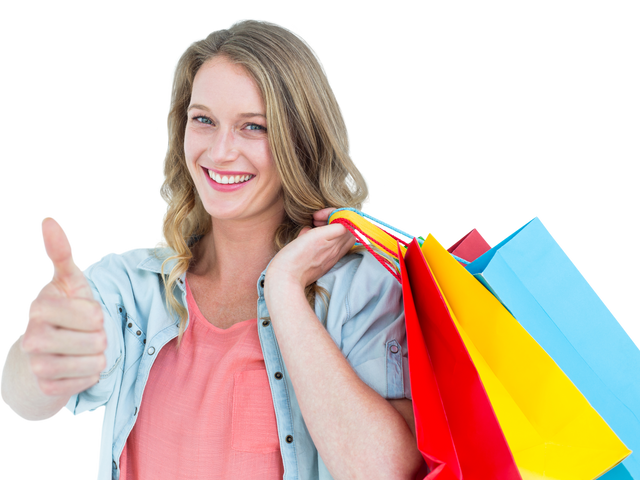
(391, 267)
(385, 235)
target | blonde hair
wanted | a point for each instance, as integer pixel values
(305, 128)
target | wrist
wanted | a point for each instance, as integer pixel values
(281, 286)
(285, 278)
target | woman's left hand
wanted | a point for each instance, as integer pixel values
(312, 254)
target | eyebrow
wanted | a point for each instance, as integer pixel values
(242, 115)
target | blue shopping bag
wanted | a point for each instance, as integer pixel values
(534, 279)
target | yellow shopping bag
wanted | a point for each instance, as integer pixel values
(552, 430)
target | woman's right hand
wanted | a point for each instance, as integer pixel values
(65, 339)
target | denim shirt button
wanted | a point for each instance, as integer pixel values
(262, 283)
(394, 349)
(266, 323)
(289, 438)
(151, 351)
(278, 375)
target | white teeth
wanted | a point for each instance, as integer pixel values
(231, 179)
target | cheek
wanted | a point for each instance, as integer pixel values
(194, 143)
(268, 164)
(188, 144)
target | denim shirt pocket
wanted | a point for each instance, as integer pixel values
(134, 340)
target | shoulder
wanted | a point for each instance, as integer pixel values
(129, 268)
(359, 278)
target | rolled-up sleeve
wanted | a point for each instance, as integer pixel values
(365, 317)
(98, 395)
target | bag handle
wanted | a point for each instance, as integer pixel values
(390, 265)
(362, 226)
(381, 222)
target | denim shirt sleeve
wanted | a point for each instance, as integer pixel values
(98, 395)
(365, 318)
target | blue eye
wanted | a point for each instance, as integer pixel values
(255, 127)
(203, 119)
(208, 121)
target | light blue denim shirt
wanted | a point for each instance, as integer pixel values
(364, 318)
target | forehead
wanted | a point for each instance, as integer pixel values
(219, 67)
(219, 77)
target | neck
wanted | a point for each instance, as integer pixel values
(236, 251)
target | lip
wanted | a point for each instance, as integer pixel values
(222, 187)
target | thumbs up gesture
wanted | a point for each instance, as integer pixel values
(65, 338)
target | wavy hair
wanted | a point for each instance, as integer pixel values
(305, 129)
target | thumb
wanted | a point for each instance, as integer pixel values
(303, 231)
(66, 274)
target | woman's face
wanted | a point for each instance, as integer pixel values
(226, 145)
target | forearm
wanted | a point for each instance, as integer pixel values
(20, 388)
(357, 432)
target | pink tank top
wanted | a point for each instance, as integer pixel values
(207, 411)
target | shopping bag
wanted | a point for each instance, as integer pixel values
(456, 428)
(541, 459)
(551, 428)
(469, 247)
(537, 282)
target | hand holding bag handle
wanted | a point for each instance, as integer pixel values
(380, 242)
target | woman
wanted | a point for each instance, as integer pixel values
(257, 150)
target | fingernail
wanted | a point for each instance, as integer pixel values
(41, 221)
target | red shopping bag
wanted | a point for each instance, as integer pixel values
(457, 430)
(469, 247)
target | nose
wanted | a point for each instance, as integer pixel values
(223, 148)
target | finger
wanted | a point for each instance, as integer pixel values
(56, 367)
(70, 313)
(324, 213)
(67, 386)
(339, 230)
(52, 340)
(321, 217)
(350, 241)
(67, 275)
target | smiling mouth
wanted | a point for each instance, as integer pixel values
(228, 179)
